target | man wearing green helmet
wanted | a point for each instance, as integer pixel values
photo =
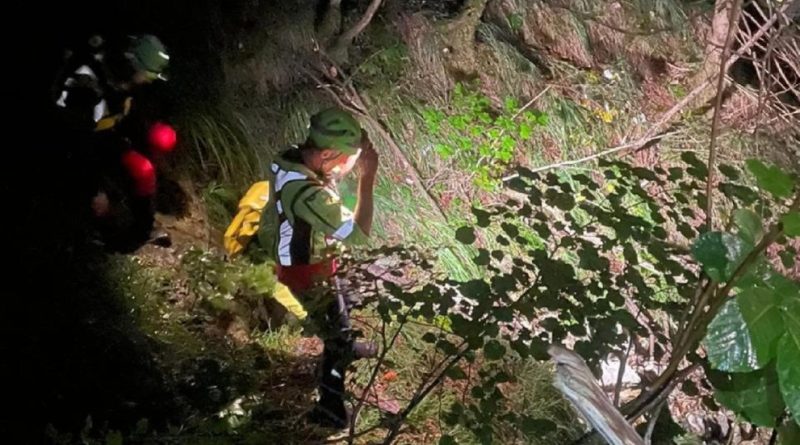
(148, 57)
(307, 223)
(95, 86)
(93, 99)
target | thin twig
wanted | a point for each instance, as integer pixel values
(699, 308)
(357, 435)
(530, 102)
(695, 332)
(601, 154)
(469, 379)
(651, 425)
(376, 369)
(694, 302)
(678, 378)
(622, 363)
(423, 392)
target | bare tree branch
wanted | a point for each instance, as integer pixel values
(577, 383)
(348, 36)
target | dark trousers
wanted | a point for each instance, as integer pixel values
(329, 316)
(96, 165)
(338, 352)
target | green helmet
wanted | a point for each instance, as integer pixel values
(147, 54)
(335, 129)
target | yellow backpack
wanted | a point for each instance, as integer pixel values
(242, 229)
(245, 223)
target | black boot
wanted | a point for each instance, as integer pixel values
(330, 412)
(159, 237)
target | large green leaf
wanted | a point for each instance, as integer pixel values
(761, 310)
(749, 224)
(754, 395)
(728, 342)
(771, 178)
(788, 290)
(756, 274)
(720, 253)
(789, 357)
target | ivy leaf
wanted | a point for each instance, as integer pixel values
(465, 235)
(483, 258)
(728, 342)
(697, 168)
(730, 172)
(483, 217)
(510, 229)
(493, 350)
(761, 311)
